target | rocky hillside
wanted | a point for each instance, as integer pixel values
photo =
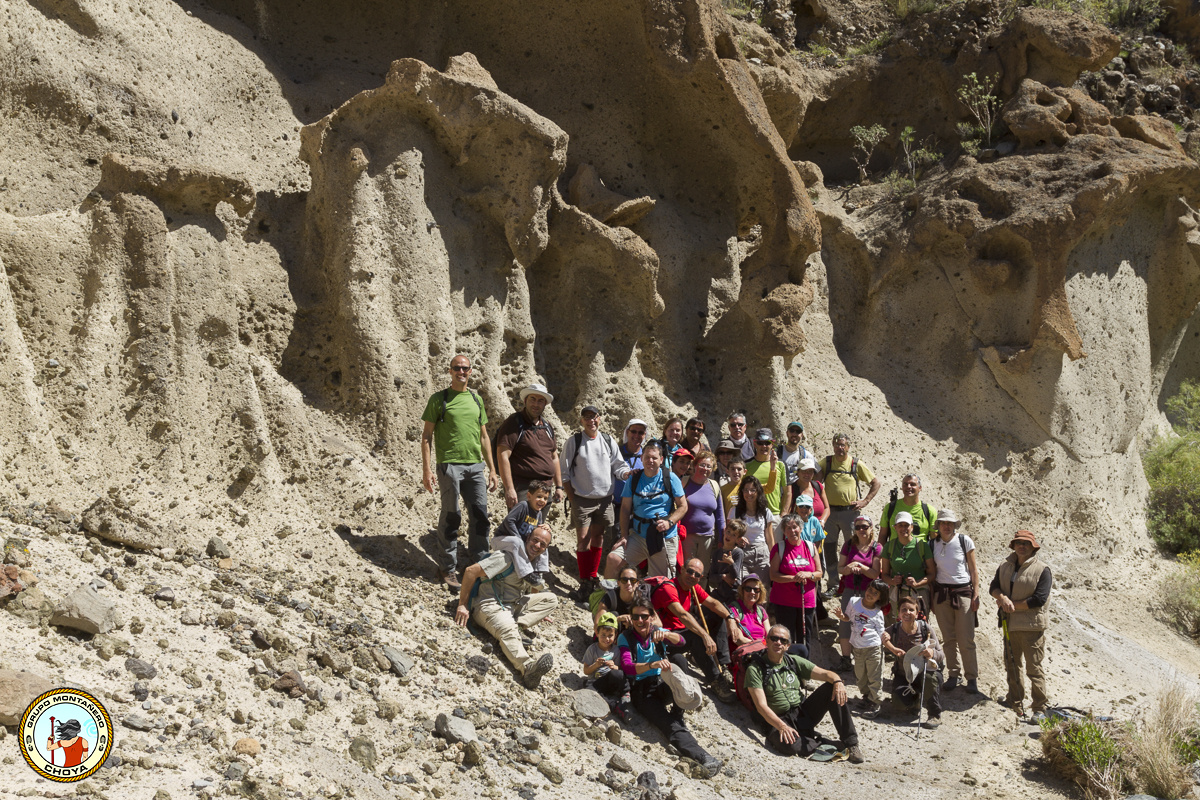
(241, 241)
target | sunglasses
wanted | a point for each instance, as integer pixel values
(627, 580)
(694, 573)
(696, 428)
(638, 431)
(752, 590)
(639, 617)
(737, 424)
(458, 368)
(779, 639)
(862, 527)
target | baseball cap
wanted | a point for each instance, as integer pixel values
(764, 435)
(607, 620)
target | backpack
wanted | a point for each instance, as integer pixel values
(542, 423)
(606, 587)
(781, 451)
(635, 478)
(446, 397)
(852, 472)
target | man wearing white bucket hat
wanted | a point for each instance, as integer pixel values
(526, 448)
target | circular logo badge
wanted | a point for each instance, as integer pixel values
(65, 735)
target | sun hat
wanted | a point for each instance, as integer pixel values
(1024, 536)
(537, 388)
(807, 463)
(607, 620)
(948, 515)
(727, 444)
(804, 500)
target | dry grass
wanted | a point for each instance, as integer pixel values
(1088, 753)
(1163, 746)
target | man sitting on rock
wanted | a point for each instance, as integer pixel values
(504, 593)
(776, 684)
(686, 609)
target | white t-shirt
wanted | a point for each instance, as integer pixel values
(951, 560)
(756, 527)
(866, 624)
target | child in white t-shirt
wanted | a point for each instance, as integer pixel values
(865, 615)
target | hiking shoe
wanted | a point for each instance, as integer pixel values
(870, 710)
(951, 684)
(1015, 707)
(710, 766)
(1037, 719)
(450, 579)
(724, 688)
(845, 665)
(973, 686)
(534, 672)
(854, 755)
(932, 722)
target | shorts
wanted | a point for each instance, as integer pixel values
(586, 512)
(635, 552)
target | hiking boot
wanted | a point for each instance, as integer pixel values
(951, 684)
(450, 579)
(710, 766)
(724, 688)
(845, 665)
(854, 755)
(932, 722)
(534, 672)
(870, 710)
(973, 686)
(1037, 719)
(622, 707)
(1017, 708)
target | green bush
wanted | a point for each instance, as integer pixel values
(1179, 594)
(1087, 752)
(1172, 466)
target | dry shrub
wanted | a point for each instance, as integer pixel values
(1088, 752)
(1163, 747)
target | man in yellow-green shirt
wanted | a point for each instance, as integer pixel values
(764, 466)
(842, 474)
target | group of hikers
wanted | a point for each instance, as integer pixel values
(723, 562)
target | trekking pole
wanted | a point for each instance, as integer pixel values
(52, 742)
(921, 702)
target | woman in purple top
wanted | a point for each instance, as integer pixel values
(858, 566)
(641, 657)
(705, 517)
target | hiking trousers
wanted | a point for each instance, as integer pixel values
(757, 559)
(840, 520)
(957, 626)
(467, 482)
(868, 671)
(693, 643)
(910, 693)
(652, 699)
(805, 717)
(1028, 647)
(506, 623)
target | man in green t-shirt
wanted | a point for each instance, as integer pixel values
(924, 515)
(763, 465)
(775, 682)
(456, 428)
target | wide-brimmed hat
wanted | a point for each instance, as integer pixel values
(727, 444)
(1024, 536)
(948, 515)
(537, 388)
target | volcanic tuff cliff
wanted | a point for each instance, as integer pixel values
(241, 242)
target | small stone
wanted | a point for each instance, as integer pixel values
(140, 691)
(190, 616)
(589, 703)
(217, 548)
(137, 722)
(202, 783)
(454, 730)
(387, 709)
(613, 732)
(235, 771)
(340, 663)
(87, 611)
(362, 750)
(529, 741)
(399, 660)
(619, 764)
(165, 594)
(473, 752)
(247, 746)
(291, 684)
(141, 669)
(552, 772)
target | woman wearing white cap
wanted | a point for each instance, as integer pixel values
(906, 564)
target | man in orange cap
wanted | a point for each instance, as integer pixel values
(1021, 589)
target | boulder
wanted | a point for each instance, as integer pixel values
(17, 691)
(589, 703)
(454, 729)
(87, 611)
